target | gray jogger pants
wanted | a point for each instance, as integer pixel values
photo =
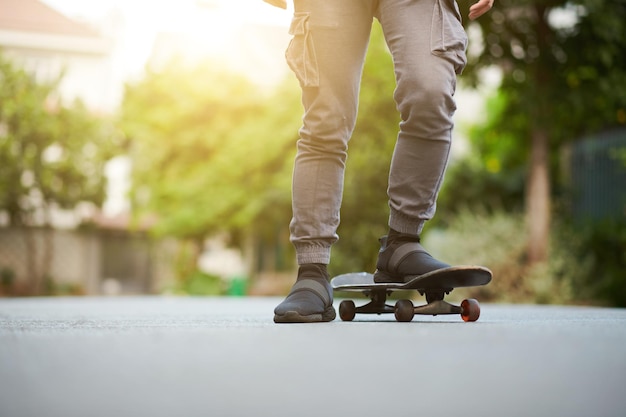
(327, 52)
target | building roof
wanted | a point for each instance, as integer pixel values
(35, 16)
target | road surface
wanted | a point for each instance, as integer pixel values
(168, 356)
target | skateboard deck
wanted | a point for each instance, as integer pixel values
(434, 285)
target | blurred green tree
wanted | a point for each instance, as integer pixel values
(563, 65)
(211, 152)
(51, 155)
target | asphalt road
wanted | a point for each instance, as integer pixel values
(225, 357)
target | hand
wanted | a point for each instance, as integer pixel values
(480, 8)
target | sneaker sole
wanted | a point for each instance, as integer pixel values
(294, 317)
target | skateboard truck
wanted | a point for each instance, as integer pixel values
(377, 305)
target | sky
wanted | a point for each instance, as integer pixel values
(139, 21)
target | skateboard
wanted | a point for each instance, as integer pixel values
(434, 285)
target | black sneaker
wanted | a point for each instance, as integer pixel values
(402, 256)
(310, 299)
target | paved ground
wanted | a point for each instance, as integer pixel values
(224, 357)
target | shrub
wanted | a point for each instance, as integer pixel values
(593, 258)
(201, 284)
(498, 241)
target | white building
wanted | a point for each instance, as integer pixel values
(48, 44)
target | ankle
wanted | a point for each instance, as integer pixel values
(313, 271)
(395, 236)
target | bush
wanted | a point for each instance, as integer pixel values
(7, 280)
(593, 258)
(498, 241)
(199, 283)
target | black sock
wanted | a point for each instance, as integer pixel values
(395, 236)
(313, 271)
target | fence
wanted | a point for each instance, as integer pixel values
(598, 175)
(94, 262)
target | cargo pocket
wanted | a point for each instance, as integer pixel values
(448, 38)
(300, 53)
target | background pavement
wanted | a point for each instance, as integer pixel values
(159, 356)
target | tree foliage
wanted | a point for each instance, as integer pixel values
(213, 152)
(210, 150)
(563, 66)
(562, 61)
(51, 154)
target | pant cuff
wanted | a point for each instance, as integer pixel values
(403, 224)
(312, 255)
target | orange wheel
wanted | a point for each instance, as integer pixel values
(470, 310)
(347, 310)
(404, 310)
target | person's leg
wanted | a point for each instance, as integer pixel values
(327, 53)
(427, 42)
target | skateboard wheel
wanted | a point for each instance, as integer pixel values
(404, 310)
(470, 310)
(347, 310)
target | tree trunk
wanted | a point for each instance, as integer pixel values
(538, 198)
(31, 259)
